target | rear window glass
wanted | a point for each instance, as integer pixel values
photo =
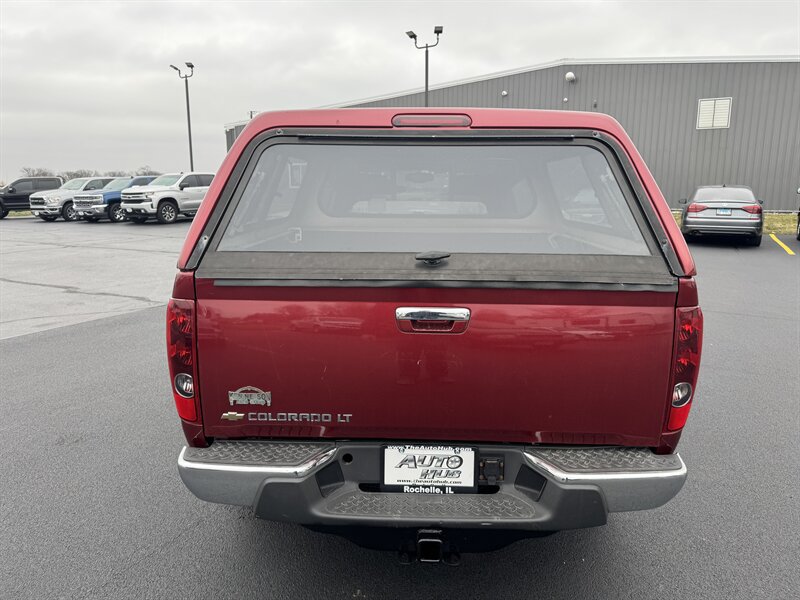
(510, 199)
(724, 193)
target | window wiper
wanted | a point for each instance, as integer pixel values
(432, 258)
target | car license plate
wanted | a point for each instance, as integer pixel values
(416, 469)
(724, 212)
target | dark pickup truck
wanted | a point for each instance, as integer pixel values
(15, 196)
(437, 330)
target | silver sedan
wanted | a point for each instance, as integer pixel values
(724, 210)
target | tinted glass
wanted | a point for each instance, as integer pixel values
(23, 186)
(190, 181)
(543, 199)
(205, 180)
(166, 179)
(46, 184)
(724, 193)
(142, 180)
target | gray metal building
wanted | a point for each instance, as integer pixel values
(695, 121)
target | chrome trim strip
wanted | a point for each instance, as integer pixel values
(571, 477)
(297, 471)
(437, 313)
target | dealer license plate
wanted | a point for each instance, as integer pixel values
(428, 469)
(724, 212)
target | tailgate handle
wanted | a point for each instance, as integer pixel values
(422, 319)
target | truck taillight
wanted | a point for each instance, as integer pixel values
(694, 207)
(686, 364)
(181, 352)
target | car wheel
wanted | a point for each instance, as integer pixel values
(167, 212)
(48, 218)
(754, 241)
(4, 214)
(68, 212)
(137, 220)
(116, 214)
(798, 226)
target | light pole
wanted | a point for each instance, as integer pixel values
(188, 114)
(438, 30)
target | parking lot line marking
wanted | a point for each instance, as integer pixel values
(781, 244)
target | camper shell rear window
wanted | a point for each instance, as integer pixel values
(504, 210)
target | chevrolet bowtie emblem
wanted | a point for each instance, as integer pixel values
(232, 416)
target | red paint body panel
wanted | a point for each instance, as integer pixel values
(542, 366)
(560, 366)
(482, 118)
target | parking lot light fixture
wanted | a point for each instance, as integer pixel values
(438, 30)
(185, 78)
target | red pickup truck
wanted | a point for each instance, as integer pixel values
(444, 327)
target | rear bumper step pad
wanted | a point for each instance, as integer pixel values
(309, 483)
(629, 478)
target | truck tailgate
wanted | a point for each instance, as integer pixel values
(547, 366)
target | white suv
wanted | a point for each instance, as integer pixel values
(166, 197)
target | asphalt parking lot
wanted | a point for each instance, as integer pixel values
(91, 505)
(56, 274)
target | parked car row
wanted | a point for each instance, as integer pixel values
(164, 198)
(713, 209)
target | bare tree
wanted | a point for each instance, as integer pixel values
(67, 175)
(147, 170)
(116, 174)
(36, 172)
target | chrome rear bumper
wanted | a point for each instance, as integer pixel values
(639, 481)
(722, 225)
(335, 483)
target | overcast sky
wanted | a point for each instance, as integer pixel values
(88, 84)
